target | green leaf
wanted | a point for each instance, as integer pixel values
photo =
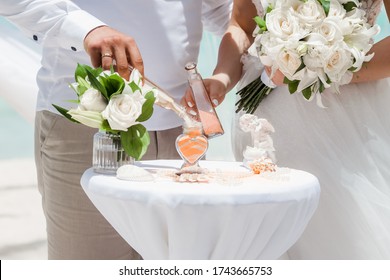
(134, 87)
(300, 67)
(352, 69)
(135, 141)
(82, 82)
(82, 87)
(64, 112)
(325, 5)
(260, 23)
(349, 6)
(106, 126)
(81, 71)
(307, 92)
(321, 87)
(96, 84)
(113, 84)
(147, 107)
(292, 85)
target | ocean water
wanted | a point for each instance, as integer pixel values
(16, 137)
(16, 140)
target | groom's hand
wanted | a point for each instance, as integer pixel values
(107, 46)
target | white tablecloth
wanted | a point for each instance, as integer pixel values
(226, 218)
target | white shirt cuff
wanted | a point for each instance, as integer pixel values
(75, 27)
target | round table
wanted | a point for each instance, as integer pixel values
(233, 216)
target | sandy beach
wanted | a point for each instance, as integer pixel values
(22, 235)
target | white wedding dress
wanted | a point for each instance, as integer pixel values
(347, 146)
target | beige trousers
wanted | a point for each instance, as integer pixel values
(75, 228)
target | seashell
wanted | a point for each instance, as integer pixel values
(192, 178)
(131, 172)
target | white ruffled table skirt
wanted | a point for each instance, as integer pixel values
(233, 216)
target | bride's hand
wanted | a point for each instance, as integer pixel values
(216, 87)
(277, 79)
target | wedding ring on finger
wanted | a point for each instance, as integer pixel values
(107, 55)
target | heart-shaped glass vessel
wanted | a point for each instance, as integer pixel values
(192, 144)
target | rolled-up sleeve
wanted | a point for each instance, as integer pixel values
(50, 22)
(216, 15)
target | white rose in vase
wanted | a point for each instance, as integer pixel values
(123, 110)
(92, 100)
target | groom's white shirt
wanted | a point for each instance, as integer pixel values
(167, 32)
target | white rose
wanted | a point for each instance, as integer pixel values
(310, 12)
(88, 118)
(282, 24)
(92, 100)
(336, 9)
(337, 63)
(285, 4)
(270, 48)
(317, 50)
(330, 30)
(288, 61)
(123, 110)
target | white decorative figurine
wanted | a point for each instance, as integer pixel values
(261, 156)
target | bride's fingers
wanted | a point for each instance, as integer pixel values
(216, 91)
(188, 102)
(268, 70)
(278, 77)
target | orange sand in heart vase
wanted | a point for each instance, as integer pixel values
(192, 146)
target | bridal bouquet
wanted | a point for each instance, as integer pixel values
(316, 44)
(109, 102)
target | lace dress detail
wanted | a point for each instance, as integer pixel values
(372, 8)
